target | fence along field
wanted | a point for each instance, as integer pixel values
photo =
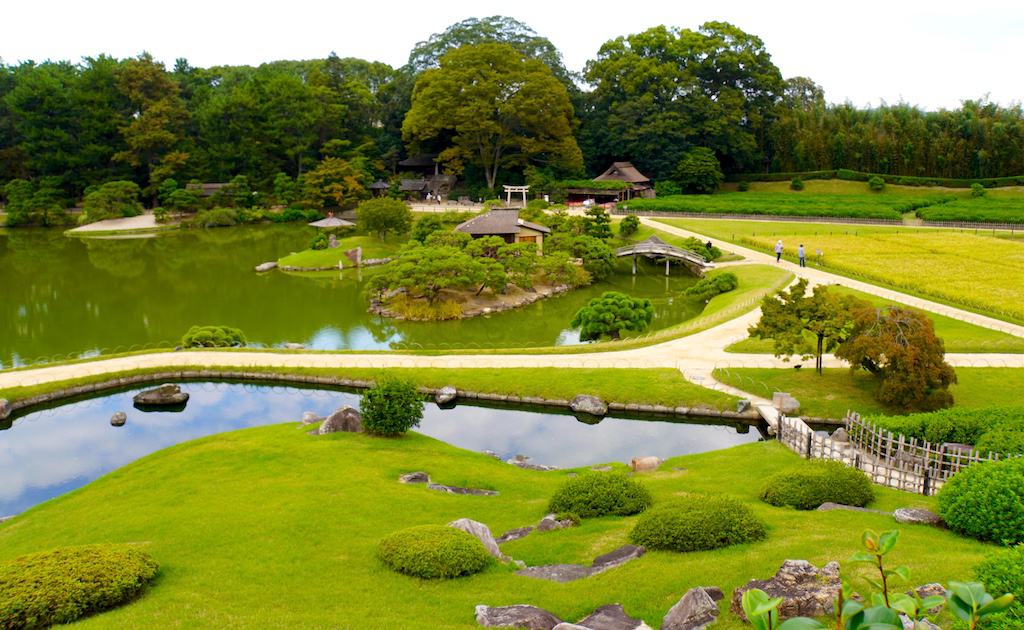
(972, 271)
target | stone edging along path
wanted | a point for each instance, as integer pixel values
(333, 381)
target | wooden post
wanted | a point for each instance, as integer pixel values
(634, 264)
(810, 438)
(666, 265)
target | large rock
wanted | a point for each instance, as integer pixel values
(622, 555)
(345, 419)
(649, 462)
(840, 435)
(267, 266)
(166, 395)
(694, 611)
(785, 403)
(516, 616)
(917, 516)
(482, 533)
(5, 409)
(445, 395)
(806, 591)
(308, 417)
(611, 617)
(415, 477)
(118, 419)
(585, 403)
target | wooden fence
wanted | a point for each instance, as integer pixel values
(888, 459)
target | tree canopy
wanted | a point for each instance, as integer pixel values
(494, 108)
(611, 315)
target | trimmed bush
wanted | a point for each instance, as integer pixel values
(213, 337)
(964, 426)
(814, 483)
(391, 407)
(697, 523)
(433, 552)
(600, 494)
(876, 183)
(796, 184)
(743, 186)
(986, 501)
(63, 585)
(1003, 572)
(707, 288)
(629, 225)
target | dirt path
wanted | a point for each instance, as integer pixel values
(144, 221)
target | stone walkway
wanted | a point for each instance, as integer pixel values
(696, 356)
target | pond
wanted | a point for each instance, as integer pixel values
(66, 297)
(48, 452)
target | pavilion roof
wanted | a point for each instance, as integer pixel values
(625, 172)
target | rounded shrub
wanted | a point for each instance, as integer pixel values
(600, 494)
(743, 186)
(391, 407)
(796, 184)
(809, 486)
(1003, 572)
(986, 501)
(433, 552)
(213, 337)
(876, 183)
(697, 523)
(60, 586)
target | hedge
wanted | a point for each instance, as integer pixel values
(963, 426)
(859, 176)
(433, 552)
(66, 584)
(697, 523)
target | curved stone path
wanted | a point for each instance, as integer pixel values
(696, 356)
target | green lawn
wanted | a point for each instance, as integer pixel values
(373, 247)
(272, 528)
(651, 386)
(834, 392)
(958, 336)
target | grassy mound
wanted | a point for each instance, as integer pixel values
(64, 585)
(809, 486)
(601, 494)
(433, 552)
(697, 523)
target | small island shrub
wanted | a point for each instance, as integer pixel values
(391, 407)
(977, 190)
(611, 315)
(812, 484)
(707, 288)
(1003, 572)
(629, 225)
(876, 183)
(600, 494)
(433, 552)
(986, 501)
(217, 217)
(697, 523)
(796, 184)
(319, 241)
(67, 584)
(213, 337)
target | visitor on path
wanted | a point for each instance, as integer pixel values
(778, 251)
(709, 246)
(819, 257)
(802, 255)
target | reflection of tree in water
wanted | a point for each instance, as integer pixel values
(33, 250)
(121, 258)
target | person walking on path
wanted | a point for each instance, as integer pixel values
(802, 255)
(778, 251)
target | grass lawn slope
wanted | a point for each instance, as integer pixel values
(273, 528)
(373, 247)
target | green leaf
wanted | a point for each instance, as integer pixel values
(851, 608)
(902, 572)
(887, 541)
(933, 601)
(801, 623)
(862, 556)
(996, 605)
(904, 604)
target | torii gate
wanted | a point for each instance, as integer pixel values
(509, 190)
(654, 247)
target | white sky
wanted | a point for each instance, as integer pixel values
(932, 54)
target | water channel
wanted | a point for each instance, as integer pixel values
(64, 297)
(48, 452)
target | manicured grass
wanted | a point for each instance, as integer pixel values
(652, 386)
(273, 528)
(961, 268)
(847, 187)
(958, 336)
(373, 247)
(837, 390)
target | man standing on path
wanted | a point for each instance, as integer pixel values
(802, 255)
(778, 251)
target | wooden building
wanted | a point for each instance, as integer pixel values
(636, 185)
(507, 225)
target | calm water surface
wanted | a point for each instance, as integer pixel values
(50, 452)
(69, 297)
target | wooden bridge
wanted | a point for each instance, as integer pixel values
(654, 247)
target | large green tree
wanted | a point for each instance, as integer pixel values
(492, 107)
(611, 315)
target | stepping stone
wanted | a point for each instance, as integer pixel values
(457, 490)
(516, 616)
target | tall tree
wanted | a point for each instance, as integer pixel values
(493, 108)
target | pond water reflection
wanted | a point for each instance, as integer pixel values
(52, 451)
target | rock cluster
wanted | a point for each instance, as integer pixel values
(166, 395)
(806, 590)
(608, 617)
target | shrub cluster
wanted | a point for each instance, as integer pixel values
(600, 494)
(807, 487)
(697, 523)
(213, 337)
(391, 407)
(60, 586)
(707, 288)
(986, 501)
(1003, 572)
(996, 429)
(433, 552)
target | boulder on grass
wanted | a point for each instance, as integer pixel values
(585, 403)
(806, 590)
(514, 534)
(345, 419)
(167, 395)
(516, 616)
(118, 419)
(415, 477)
(917, 516)
(482, 533)
(694, 611)
(649, 462)
(551, 522)
(445, 395)
(611, 617)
